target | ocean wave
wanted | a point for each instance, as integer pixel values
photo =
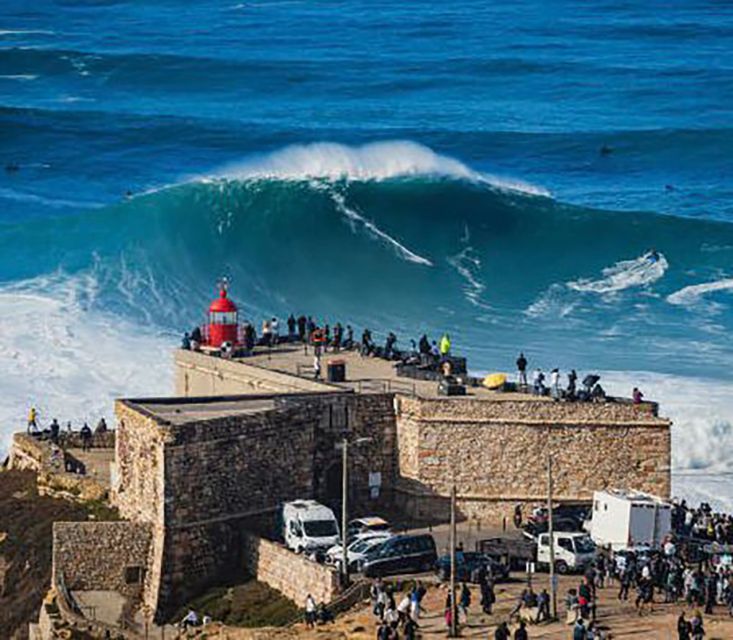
(27, 32)
(372, 229)
(374, 161)
(691, 295)
(20, 77)
(68, 360)
(467, 264)
(21, 196)
(625, 274)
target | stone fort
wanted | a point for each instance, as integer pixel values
(195, 474)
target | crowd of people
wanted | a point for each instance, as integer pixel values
(53, 431)
(323, 338)
(589, 390)
(395, 617)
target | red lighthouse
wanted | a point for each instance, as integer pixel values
(223, 323)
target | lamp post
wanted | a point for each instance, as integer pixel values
(344, 446)
(454, 608)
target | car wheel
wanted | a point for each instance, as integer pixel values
(561, 567)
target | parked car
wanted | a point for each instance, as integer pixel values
(362, 526)
(468, 565)
(357, 549)
(308, 526)
(401, 554)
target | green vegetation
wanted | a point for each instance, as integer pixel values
(247, 604)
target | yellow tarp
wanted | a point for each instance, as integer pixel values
(494, 380)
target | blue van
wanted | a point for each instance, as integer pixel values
(401, 554)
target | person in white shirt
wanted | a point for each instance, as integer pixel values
(310, 611)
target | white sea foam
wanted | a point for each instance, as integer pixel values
(468, 265)
(69, 361)
(625, 274)
(373, 230)
(26, 32)
(692, 295)
(375, 161)
(702, 433)
(21, 77)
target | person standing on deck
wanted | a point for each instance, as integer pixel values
(445, 345)
(32, 421)
(522, 369)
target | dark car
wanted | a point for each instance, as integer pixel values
(401, 554)
(468, 565)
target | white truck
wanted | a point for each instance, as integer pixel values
(573, 551)
(628, 519)
(308, 526)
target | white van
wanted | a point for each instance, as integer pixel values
(573, 551)
(309, 526)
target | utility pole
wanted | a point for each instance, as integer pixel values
(344, 508)
(551, 535)
(454, 608)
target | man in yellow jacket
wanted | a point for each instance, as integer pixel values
(32, 421)
(445, 345)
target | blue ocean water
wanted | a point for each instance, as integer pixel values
(413, 165)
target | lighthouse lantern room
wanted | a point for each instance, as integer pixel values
(223, 320)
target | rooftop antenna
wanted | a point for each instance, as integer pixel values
(223, 284)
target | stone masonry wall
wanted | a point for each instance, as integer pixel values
(291, 574)
(198, 374)
(139, 487)
(96, 555)
(497, 452)
(223, 472)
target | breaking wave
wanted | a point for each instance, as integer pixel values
(375, 235)
(639, 272)
(690, 296)
(375, 161)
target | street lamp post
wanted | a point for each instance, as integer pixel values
(344, 508)
(344, 446)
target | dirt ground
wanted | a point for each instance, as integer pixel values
(619, 620)
(26, 521)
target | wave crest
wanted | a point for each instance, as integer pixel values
(374, 161)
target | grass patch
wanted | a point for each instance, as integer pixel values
(247, 604)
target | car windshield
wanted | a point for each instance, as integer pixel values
(359, 546)
(584, 545)
(320, 528)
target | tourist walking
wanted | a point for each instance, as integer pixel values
(684, 628)
(464, 602)
(502, 632)
(579, 630)
(543, 606)
(521, 632)
(488, 597)
(310, 611)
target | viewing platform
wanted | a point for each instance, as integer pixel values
(288, 368)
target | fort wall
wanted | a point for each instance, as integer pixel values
(496, 452)
(198, 374)
(201, 474)
(203, 483)
(292, 575)
(101, 556)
